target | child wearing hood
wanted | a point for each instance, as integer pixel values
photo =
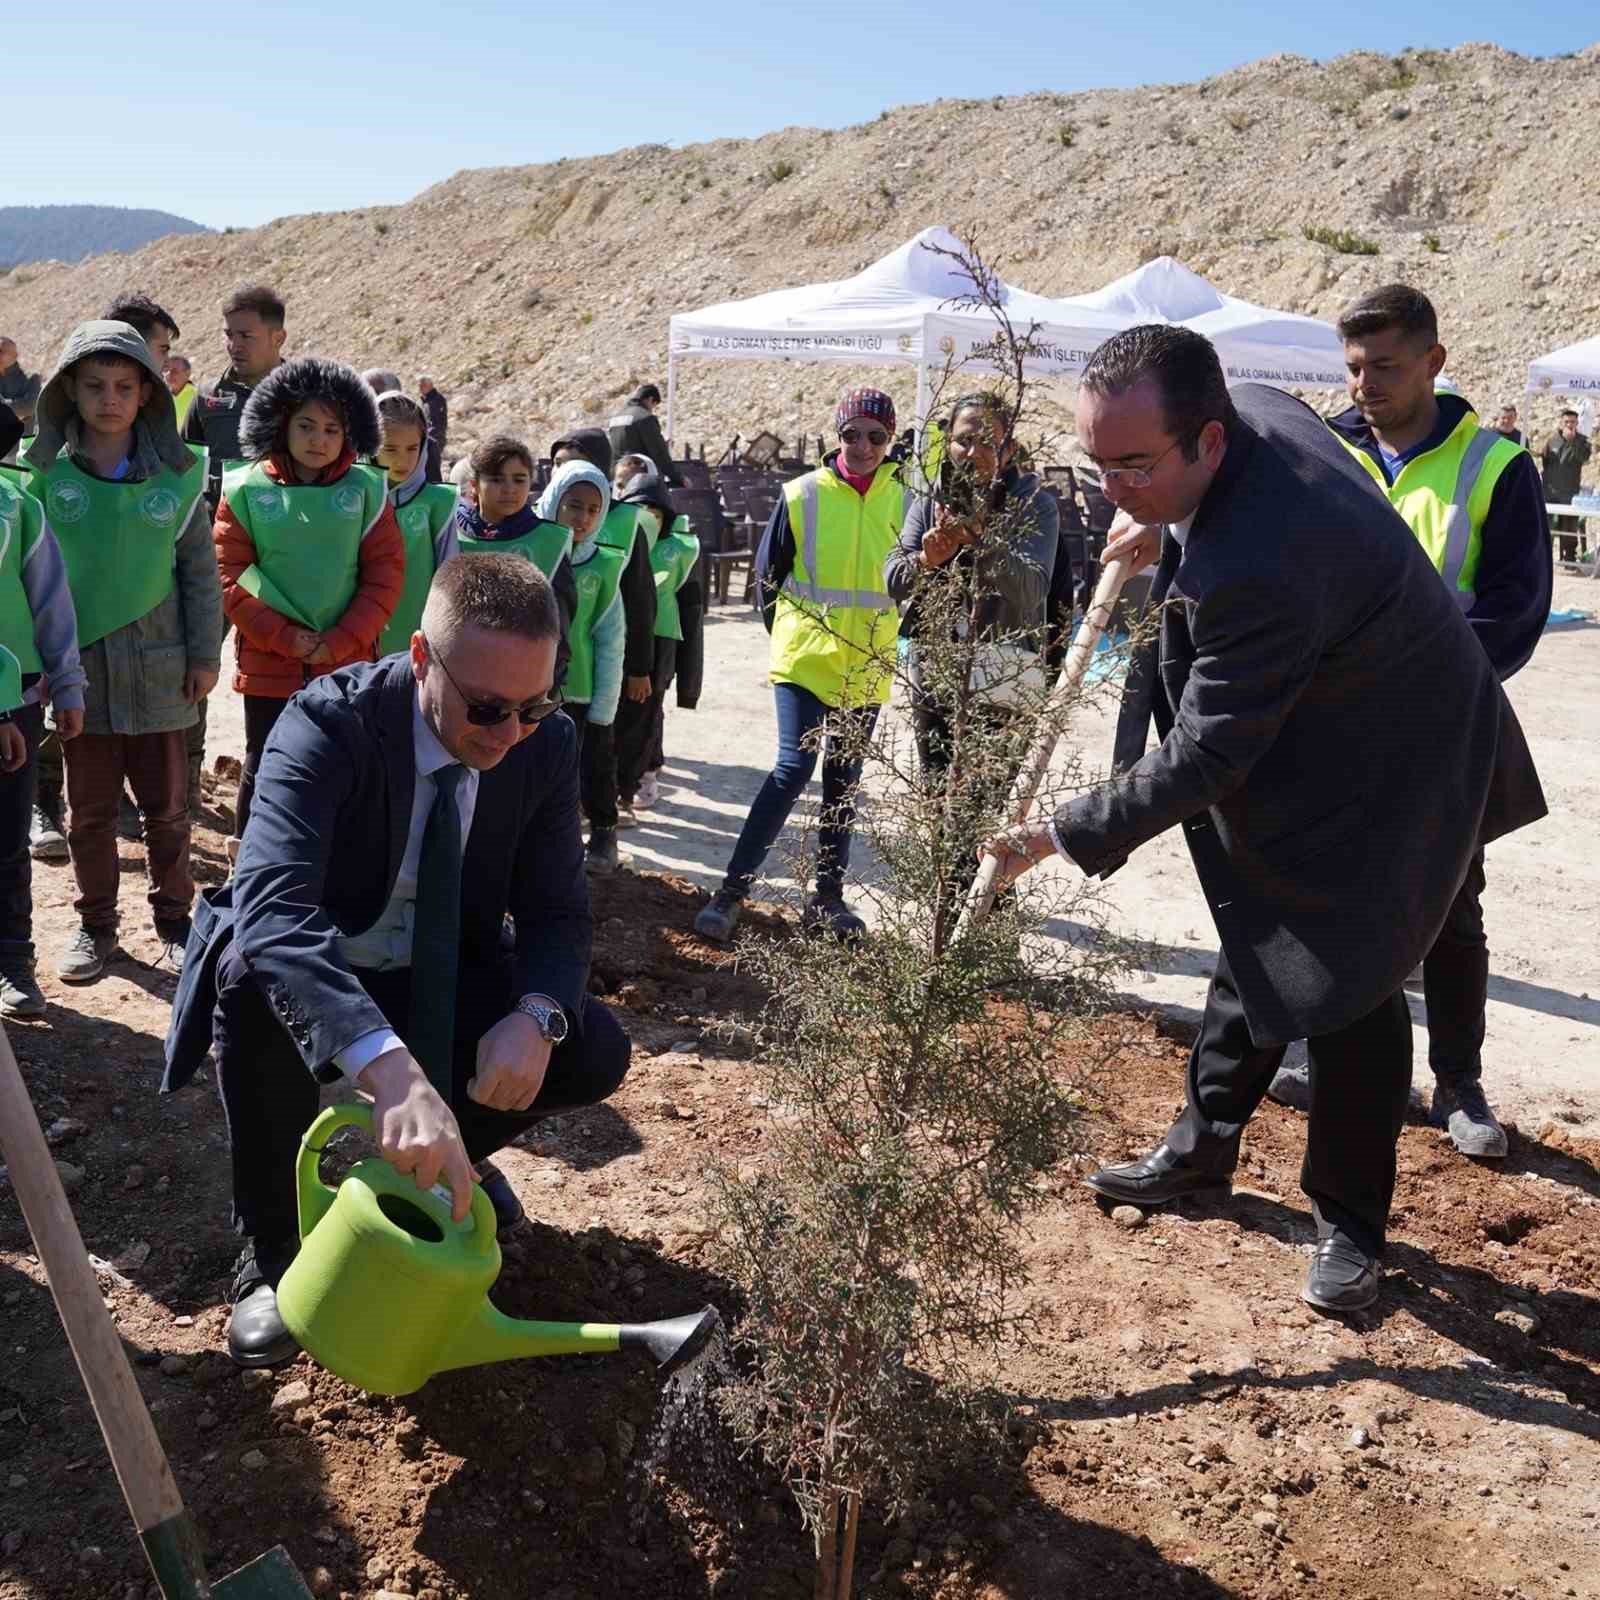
(425, 511)
(578, 497)
(674, 554)
(125, 497)
(311, 557)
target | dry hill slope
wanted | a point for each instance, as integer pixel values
(536, 294)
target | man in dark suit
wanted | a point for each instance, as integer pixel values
(1306, 650)
(401, 809)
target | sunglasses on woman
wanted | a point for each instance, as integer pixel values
(491, 713)
(873, 436)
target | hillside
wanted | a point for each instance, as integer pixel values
(69, 233)
(535, 295)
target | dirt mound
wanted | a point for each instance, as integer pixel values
(537, 295)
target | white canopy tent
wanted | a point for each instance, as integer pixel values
(1575, 369)
(1255, 344)
(897, 312)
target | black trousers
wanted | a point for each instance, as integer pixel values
(597, 768)
(641, 723)
(1455, 984)
(1360, 1081)
(17, 791)
(261, 713)
(271, 1099)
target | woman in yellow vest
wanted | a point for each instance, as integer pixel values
(833, 626)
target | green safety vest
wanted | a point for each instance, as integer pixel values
(118, 540)
(619, 529)
(307, 538)
(21, 528)
(544, 544)
(672, 558)
(598, 580)
(422, 519)
(1444, 494)
(835, 624)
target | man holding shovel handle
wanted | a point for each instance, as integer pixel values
(1305, 647)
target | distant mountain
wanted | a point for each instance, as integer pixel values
(69, 233)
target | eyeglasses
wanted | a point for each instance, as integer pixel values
(873, 436)
(490, 714)
(1134, 477)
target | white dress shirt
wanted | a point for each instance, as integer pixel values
(386, 945)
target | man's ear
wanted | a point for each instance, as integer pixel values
(1436, 360)
(1212, 439)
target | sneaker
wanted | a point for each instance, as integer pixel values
(826, 913)
(130, 825)
(174, 937)
(1460, 1108)
(718, 919)
(86, 956)
(233, 851)
(601, 854)
(649, 792)
(46, 841)
(20, 996)
(1291, 1084)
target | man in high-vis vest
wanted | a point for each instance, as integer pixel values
(833, 625)
(1473, 498)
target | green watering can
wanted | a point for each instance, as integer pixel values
(388, 1289)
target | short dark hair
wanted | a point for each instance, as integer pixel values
(1567, 411)
(142, 314)
(401, 408)
(380, 380)
(1182, 365)
(503, 593)
(256, 297)
(1395, 305)
(647, 391)
(496, 450)
(179, 356)
(990, 404)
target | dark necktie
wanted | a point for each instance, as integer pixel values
(436, 933)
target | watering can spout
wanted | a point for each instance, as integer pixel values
(676, 1340)
(493, 1336)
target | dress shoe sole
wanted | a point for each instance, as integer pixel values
(1151, 1199)
(274, 1355)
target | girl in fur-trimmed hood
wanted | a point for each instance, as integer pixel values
(310, 555)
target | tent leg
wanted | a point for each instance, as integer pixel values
(672, 392)
(921, 423)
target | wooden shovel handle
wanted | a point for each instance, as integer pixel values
(136, 1453)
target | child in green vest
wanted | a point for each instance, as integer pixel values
(125, 497)
(425, 511)
(578, 497)
(674, 561)
(38, 654)
(311, 557)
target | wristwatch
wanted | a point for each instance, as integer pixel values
(552, 1020)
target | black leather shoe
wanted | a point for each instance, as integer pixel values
(1343, 1277)
(256, 1334)
(1154, 1179)
(508, 1212)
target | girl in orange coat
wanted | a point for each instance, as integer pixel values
(311, 558)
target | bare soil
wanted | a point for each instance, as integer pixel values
(1184, 1424)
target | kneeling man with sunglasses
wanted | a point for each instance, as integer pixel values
(402, 808)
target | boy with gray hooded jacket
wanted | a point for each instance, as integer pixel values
(125, 497)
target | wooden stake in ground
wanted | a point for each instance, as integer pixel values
(1084, 644)
(167, 1534)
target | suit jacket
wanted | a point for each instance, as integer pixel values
(1333, 739)
(328, 829)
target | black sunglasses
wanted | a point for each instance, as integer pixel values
(490, 715)
(872, 435)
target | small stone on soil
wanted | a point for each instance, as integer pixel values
(253, 1460)
(1523, 1321)
(174, 1366)
(1129, 1217)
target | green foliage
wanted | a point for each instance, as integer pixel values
(1430, 243)
(380, 228)
(1066, 135)
(1340, 239)
(585, 318)
(778, 171)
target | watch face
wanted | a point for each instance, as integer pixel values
(556, 1026)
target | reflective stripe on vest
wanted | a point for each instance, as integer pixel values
(1457, 521)
(21, 527)
(810, 497)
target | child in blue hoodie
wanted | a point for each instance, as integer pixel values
(578, 496)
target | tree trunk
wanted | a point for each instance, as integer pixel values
(847, 1552)
(827, 1582)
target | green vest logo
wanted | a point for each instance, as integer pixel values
(69, 502)
(588, 584)
(414, 520)
(160, 508)
(347, 501)
(268, 504)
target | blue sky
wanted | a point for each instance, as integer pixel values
(237, 114)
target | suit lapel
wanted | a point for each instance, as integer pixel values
(399, 767)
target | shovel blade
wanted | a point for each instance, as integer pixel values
(272, 1576)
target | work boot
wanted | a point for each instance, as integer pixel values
(46, 841)
(174, 937)
(20, 995)
(826, 913)
(130, 825)
(601, 854)
(1459, 1107)
(649, 792)
(86, 956)
(1291, 1083)
(717, 920)
(257, 1336)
